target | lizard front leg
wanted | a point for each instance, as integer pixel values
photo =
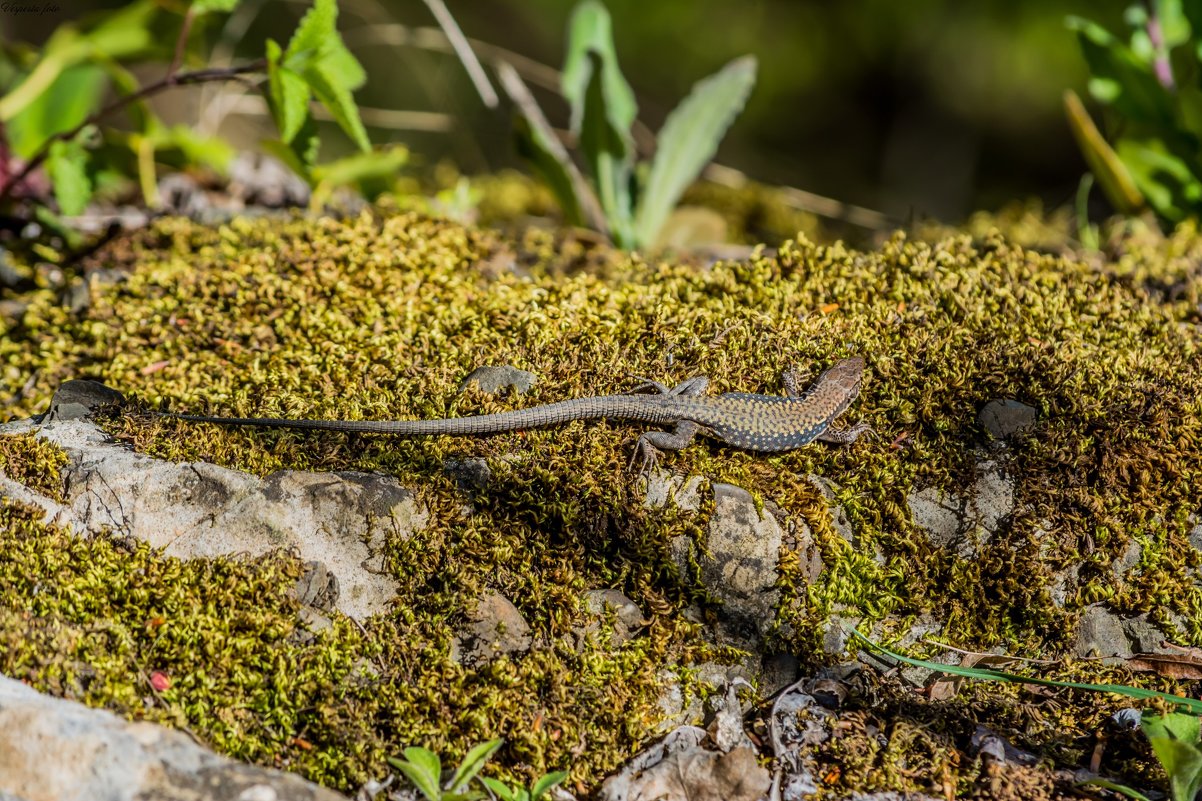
(846, 436)
(651, 443)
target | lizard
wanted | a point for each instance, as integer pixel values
(760, 423)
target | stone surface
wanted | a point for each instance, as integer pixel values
(196, 509)
(1003, 419)
(628, 618)
(664, 487)
(1100, 633)
(965, 523)
(495, 379)
(738, 560)
(56, 750)
(495, 628)
(1127, 560)
(78, 399)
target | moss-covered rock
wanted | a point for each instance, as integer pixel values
(381, 317)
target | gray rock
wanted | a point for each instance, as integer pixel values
(965, 522)
(79, 398)
(495, 628)
(664, 487)
(1145, 636)
(1003, 419)
(628, 618)
(839, 517)
(493, 380)
(836, 635)
(1100, 633)
(1127, 560)
(1064, 585)
(777, 673)
(739, 559)
(195, 509)
(470, 475)
(56, 749)
(317, 588)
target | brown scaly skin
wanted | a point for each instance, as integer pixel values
(762, 423)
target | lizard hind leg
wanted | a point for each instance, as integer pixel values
(653, 442)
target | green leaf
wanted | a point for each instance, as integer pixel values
(533, 146)
(423, 769)
(289, 95)
(1166, 180)
(205, 6)
(1120, 77)
(335, 95)
(66, 165)
(1116, 787)
(548, 781)
(689, 139)
(608, 158)
(473, 762)
(66, 103)
(341, 63)
(313, 35)
(65, 48)
(985, 674)
(1174, 740)
(591, 30)
(300, 154)
(355, 170)
(210, 151)
(122, 33)
(125, 32)
(1174, 24)
(1116, 180)
(502, 790)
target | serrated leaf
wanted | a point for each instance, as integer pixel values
(336, 97)
(312, 36)
(289, 95)
(689, 139)
(342, 64)
(545, 783)
(608, 159)
(66, 103)
(206, 6)
(67, 167)
(590, 30)
(1112, 174)
(473, 762)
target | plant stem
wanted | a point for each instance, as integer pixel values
(168, 81)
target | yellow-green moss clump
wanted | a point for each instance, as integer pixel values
(381, 317)
(33, 462)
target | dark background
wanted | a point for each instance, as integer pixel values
(919, 107)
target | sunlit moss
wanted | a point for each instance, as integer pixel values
(382, 316)
(33, 462)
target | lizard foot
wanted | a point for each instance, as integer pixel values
(650, 456)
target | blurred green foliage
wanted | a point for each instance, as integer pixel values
(55, 118)
(1151, 86)
(631, 202)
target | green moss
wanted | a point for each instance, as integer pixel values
(33, 462)
(382, 317)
